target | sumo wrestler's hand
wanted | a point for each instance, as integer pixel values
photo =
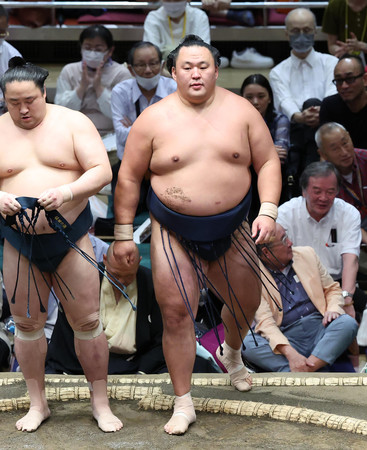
(263, 229)
(53, 198)
(9, 205)
(124, 256)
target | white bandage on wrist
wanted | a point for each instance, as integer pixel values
(269, 209)
(123, 232)
(66, 193)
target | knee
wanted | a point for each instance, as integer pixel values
(87, 327)
(175, 319)
(29, 329)
(346, 326)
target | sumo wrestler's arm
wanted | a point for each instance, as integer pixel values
(267, 166)
(134, 165)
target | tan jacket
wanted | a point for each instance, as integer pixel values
(323, 291)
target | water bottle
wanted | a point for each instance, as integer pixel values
(10, 325)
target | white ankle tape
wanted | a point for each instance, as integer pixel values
(91, 334)
(29, 335)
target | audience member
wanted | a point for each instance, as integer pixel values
(130, 97)
(166, 26)
(7, 51)
(86, 85)
(331, 226)
(345, 23)
(134, 337)
(310, 330)
(335, 145)
(349, 106)
(256, 89)
(299, 84)
(221, 8)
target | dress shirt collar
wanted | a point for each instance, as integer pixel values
(310, 59)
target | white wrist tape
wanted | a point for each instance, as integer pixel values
(269, 209)
(123, 232)
(66, 193)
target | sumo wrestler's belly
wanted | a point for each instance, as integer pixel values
(203, 194)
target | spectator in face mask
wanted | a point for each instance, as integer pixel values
(299, 84)
(169, 24)
(86, 85)
(7, 51)
(130, 97)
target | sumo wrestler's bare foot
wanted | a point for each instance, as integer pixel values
(33, 419)
(106, 420)
(183, 415)
(238, 374)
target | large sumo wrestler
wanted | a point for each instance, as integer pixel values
(55, 157)
(198, 144)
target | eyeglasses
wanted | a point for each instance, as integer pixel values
(140, 67)
(4, 34)
(348, 80)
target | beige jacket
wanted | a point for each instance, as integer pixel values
(323, 291)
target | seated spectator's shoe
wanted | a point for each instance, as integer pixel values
(250, 59)
(243, 17)
(224, 62)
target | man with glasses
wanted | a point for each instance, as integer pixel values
(7, 51)
(130, 97)
(349, 106)
(300, 324)
(299, 84)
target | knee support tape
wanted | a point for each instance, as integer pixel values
(29, 335)
(28, 329)
(90, 334)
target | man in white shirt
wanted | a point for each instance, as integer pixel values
(170, 23)
(331, 226)
(299, 84)
(130, 97)
(7, 51)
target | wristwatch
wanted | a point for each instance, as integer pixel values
(347, 294)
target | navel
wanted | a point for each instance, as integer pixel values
(236, 155)
(175, 158)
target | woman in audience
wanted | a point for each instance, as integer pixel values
(86, 85)
(256, 89)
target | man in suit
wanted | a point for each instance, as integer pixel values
(300, 324)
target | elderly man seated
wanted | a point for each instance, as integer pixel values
(300, 324)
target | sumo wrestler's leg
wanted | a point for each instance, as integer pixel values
(242, 299)
(179, 345)
(30, 342)
(89, 339)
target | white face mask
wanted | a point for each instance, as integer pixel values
(93, 59)
(147, 83)
(174, 9)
